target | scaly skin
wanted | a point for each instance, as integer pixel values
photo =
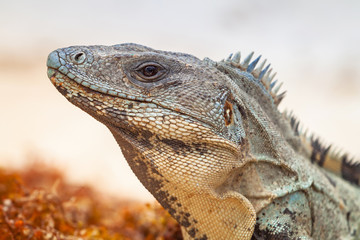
(206, 139)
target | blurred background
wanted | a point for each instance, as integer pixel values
(313, 45)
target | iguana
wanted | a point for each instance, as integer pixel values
(206, 138)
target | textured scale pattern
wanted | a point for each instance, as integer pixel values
(207, 140)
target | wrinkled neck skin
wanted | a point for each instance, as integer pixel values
(230, 182)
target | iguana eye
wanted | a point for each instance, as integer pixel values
(150, 72)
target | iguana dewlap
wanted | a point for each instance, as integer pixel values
(207, 140)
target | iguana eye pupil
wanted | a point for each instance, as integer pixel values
(150, 71)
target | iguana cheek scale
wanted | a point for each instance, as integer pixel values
(207, 140)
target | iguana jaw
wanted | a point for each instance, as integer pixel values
(70, 81)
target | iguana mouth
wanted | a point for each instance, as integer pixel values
(58, 78)
(58, 73)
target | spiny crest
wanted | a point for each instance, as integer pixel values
(295, 124)
(325, 155)
(316, 144)
(260, 73)
(350, 170)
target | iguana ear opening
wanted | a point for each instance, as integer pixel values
(228, 113)
(233, 120)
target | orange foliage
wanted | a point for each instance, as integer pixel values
(37, 204)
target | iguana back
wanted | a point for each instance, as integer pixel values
(208, 141)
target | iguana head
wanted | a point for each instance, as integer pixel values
(156, 100)
(185, 126)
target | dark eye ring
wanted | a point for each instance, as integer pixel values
(150, 72)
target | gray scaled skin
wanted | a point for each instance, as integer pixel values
(207, 140)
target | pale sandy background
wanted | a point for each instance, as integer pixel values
(313, 45)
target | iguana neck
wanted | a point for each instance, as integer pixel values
(194, 205)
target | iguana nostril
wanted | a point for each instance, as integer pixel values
(79, 57)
